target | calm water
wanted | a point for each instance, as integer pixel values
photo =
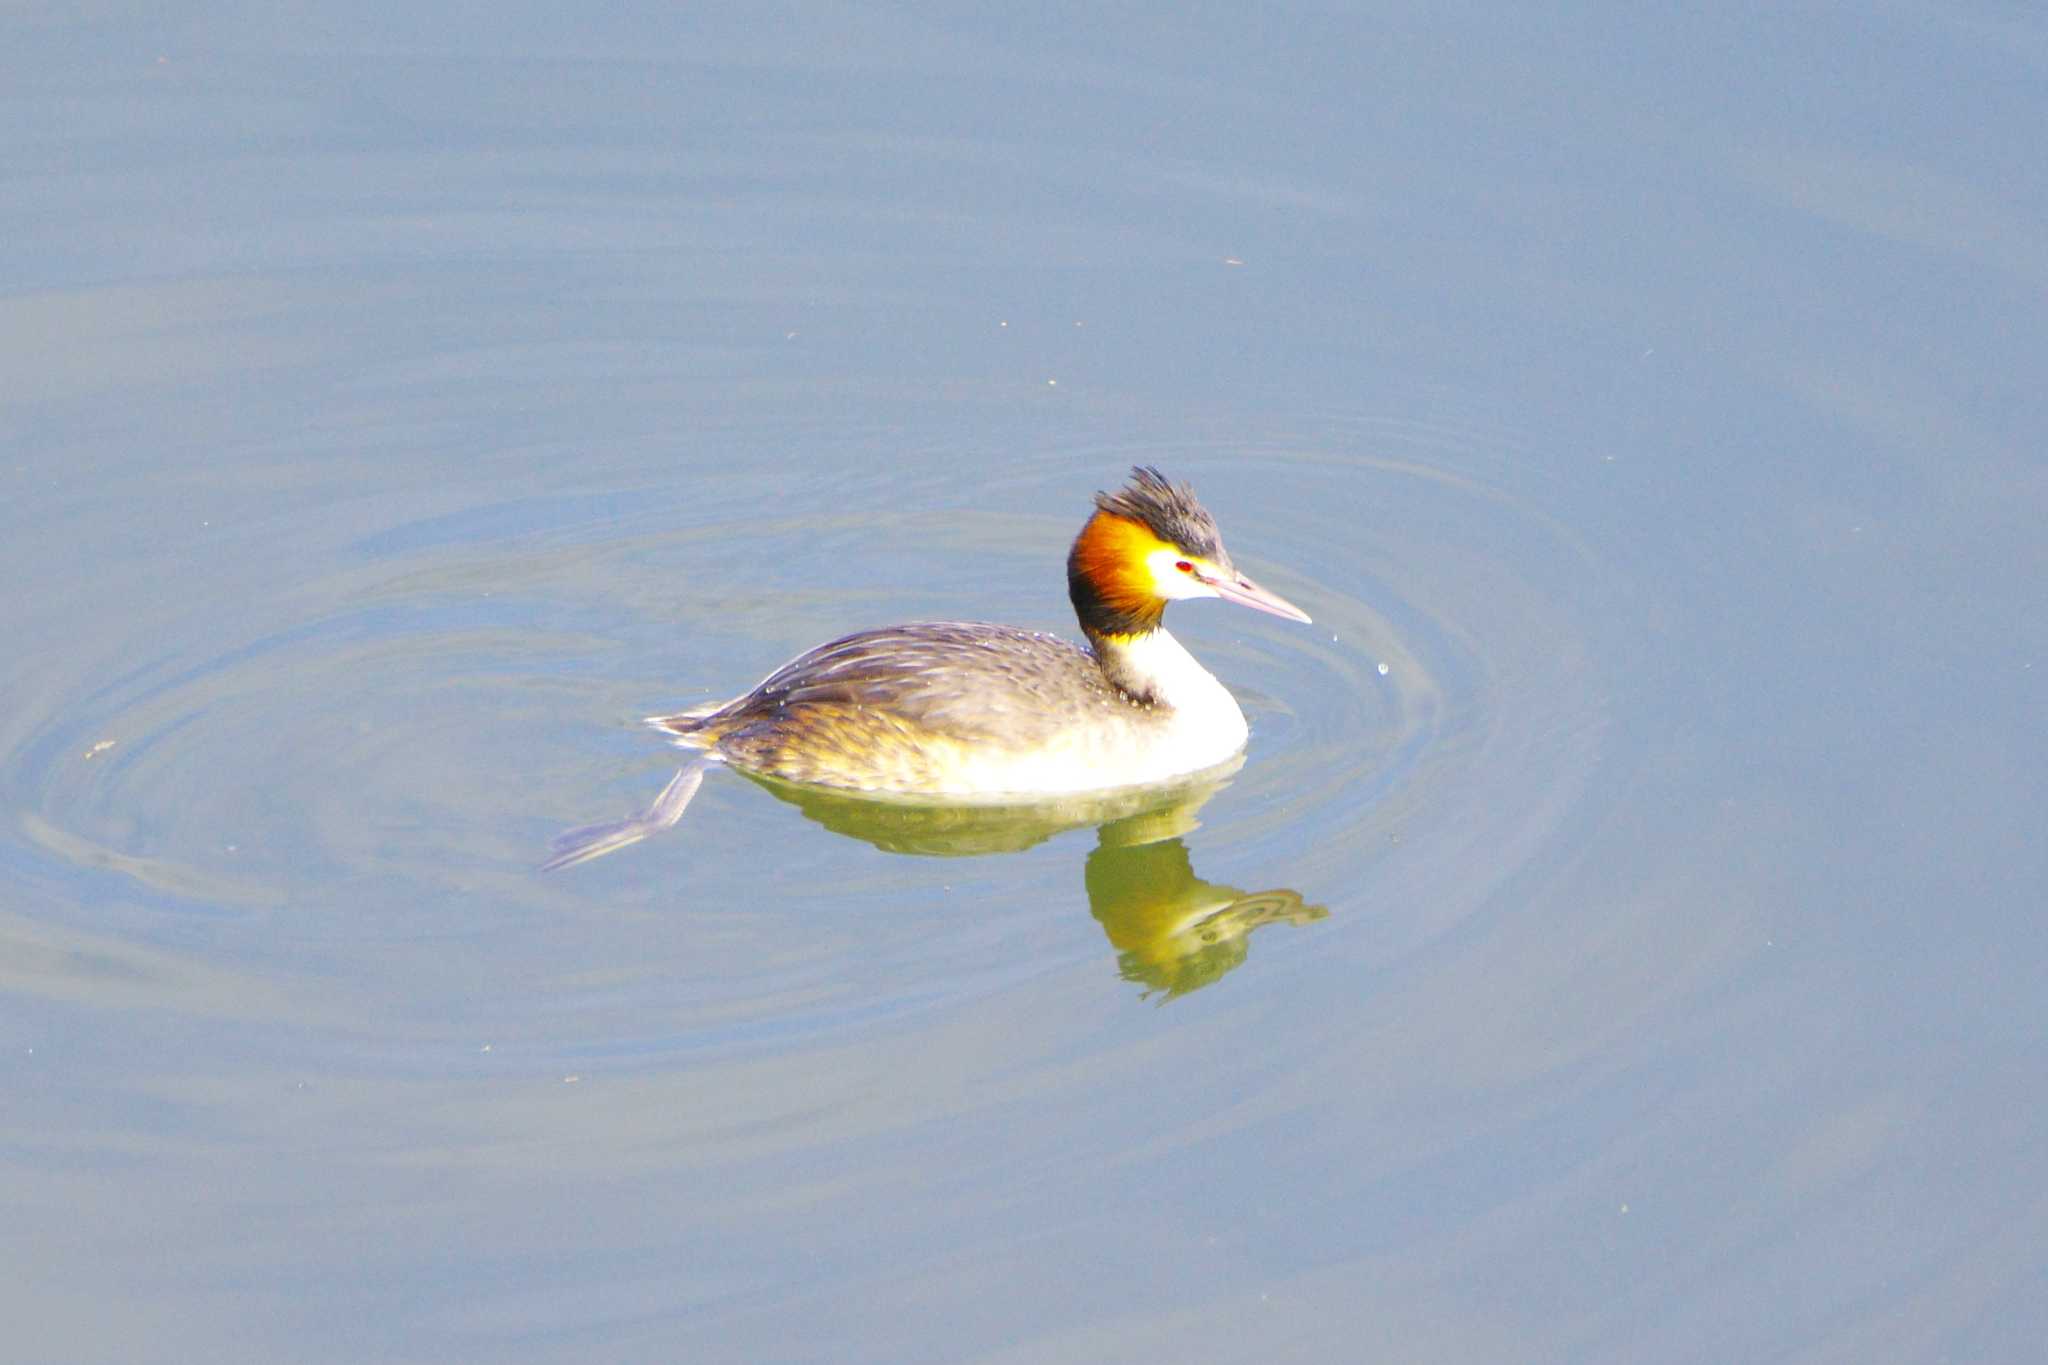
(1623, 942)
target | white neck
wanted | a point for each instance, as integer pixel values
(1155, 668)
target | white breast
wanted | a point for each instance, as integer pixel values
(1193, 725)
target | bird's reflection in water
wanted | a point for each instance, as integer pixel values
(1172, 931)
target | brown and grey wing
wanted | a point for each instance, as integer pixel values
(961, 679)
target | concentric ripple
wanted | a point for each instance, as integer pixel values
(375, 751)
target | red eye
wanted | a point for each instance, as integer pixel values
(1184, 566)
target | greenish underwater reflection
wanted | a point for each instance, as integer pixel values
(1173, 932)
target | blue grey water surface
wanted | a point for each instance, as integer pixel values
(1623, 942)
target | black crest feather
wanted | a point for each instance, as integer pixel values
(1169, 510)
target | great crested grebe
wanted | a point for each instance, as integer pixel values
(968, 711)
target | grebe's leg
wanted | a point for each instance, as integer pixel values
(594, 841)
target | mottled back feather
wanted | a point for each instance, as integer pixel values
(965, 682)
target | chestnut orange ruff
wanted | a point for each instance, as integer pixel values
(1109, 576)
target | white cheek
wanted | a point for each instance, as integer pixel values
(1170, 582)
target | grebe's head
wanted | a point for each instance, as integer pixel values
(1150, 543)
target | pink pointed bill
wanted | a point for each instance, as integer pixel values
(1241, 590)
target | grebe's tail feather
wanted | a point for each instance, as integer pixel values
(683, 722)
(594, 841)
